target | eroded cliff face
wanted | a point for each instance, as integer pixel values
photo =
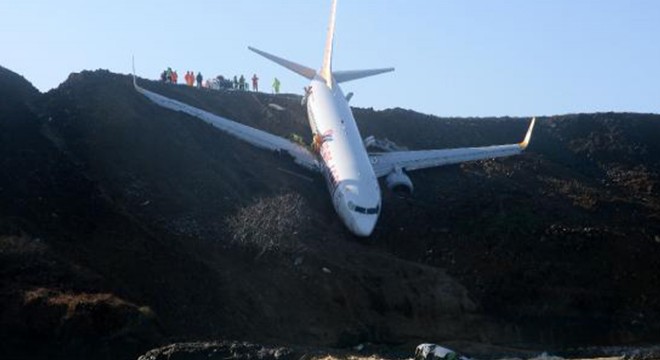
(124, 225)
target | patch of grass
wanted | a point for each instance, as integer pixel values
(270, 224)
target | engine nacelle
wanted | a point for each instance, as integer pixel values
(397, 181)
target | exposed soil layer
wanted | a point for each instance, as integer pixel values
(125, 226)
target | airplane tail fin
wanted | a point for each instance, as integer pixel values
(297, 68)
(326, 70)
(341, 76)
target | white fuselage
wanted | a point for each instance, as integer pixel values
(350, 177)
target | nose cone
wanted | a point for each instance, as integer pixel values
(363, 225)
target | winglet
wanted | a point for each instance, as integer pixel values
(528, 136)
(134, 78)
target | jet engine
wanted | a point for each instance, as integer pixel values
(398, 182)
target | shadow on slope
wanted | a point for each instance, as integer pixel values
(52, 304)
(160, 192)
(154, 208)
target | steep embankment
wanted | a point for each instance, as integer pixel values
(557, 241)
(154, 209)
(224, 203)
(51, 303)
(125, 225)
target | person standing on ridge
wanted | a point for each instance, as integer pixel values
(199, 79)
(276, 86)
(241, 82)
(255, 83)
(175, 77)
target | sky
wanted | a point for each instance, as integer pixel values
(452, 57)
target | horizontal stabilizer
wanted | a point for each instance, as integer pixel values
(297, 68)
(344, 76)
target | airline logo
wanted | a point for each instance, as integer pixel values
(327, 136)
(331, 167)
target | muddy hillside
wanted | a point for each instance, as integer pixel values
(125, 227)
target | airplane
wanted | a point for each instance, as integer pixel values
(338, 151)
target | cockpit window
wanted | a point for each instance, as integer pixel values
(363, 210)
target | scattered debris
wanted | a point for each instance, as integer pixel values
(436, 352)
(386, 144)
(546, 356)
(276, 107)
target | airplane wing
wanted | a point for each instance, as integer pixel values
(384, 163)
(253, 136)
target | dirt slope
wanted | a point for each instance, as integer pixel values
(125, 226)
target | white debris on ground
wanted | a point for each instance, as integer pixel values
(385, 145)
(546, 356)
(276, 107)
(436, 352)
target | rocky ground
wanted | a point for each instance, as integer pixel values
(247, 351)
(126, 227)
